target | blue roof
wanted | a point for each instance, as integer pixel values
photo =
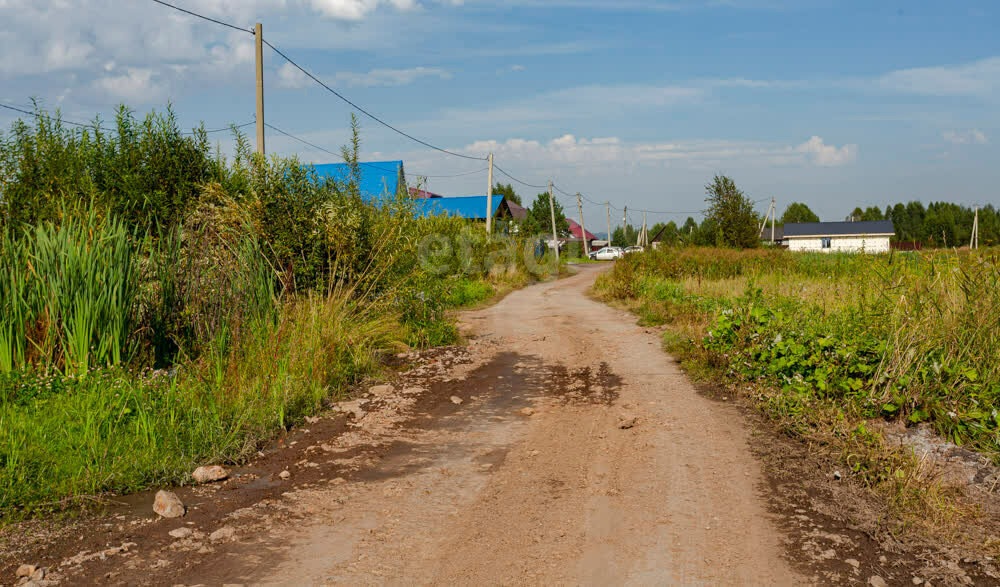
(471, 207)
(378, 178)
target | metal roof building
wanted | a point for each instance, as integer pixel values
(470, 207)
(850, 237)
(378, 178)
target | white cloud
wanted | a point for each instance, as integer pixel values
(827, 155)
(391, 77)
(975, 78)
(967, 137)
(354, 10)
(133, 85)
(516, 68)
(290, 76)
(699, 153)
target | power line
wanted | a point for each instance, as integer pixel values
(530, 185)
(365, 112)
(341, 156)
(208, 18)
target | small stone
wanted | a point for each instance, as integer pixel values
(38, 575)
(168, 505)
(876, 581)
(527, 411)
(209, 474)
(181, 532)
(312, 419)
(853, 562)
(916, 580)
(456, 400)
(380, 390)
(284, 475)
(225, 533)
(26, 570)
(626, 421)
(837, 475)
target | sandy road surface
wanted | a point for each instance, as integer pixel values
(565, 495)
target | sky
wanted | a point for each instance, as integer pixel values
(836, 104)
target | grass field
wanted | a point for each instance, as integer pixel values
(827, 345)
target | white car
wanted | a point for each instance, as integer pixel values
(607, 254)
(634, 249)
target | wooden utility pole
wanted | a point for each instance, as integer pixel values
(624, 221)
(258, 32)
(609, 224)
(583, 229)
(489, 200)
(974, 240)
(555, 237)
(641, 240)
(772, 219)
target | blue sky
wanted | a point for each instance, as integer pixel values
(836, 104)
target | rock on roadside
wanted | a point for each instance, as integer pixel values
(181, 532)
(456, 400)
(209, 474)
(26, 570)
(168, 505)
(225, 533)
(627, 420)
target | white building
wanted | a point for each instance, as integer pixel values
(848, 237)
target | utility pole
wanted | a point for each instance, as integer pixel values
(609, 224)
(583, 229)
(489, 200)
(555, 237)
(773, 210)
(974, 240)
(624, 221)
(641, 241)
(258, 32)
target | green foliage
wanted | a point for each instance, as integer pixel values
(732, 213)
(507, 191)
(160, 308)
(798, 212)
(897, 338)
(539, 220)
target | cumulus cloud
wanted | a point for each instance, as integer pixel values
(699, 153)
(966, 137)
(828, 155)
(355, 9)
(131, 85)
(291, 77)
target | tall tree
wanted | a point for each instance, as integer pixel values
(508, 192)
(798, 212)
(539, 220)
(732, 214)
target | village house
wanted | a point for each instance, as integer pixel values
(846, 237)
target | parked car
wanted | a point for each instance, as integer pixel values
(634, 249)
(607, 254)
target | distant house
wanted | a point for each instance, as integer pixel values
(851, 237)
(577, 235)
(423, 194)
(517, 212)
(378, 178)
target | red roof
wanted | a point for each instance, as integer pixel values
(415, 193)
(577, 230)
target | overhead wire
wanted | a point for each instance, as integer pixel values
(371, 165)
(202, 16)
(363, 111)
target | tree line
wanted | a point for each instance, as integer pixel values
(731, 221)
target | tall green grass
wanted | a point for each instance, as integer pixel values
(68, 296)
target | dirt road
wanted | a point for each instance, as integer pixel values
(561, 446)
(566, 495)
